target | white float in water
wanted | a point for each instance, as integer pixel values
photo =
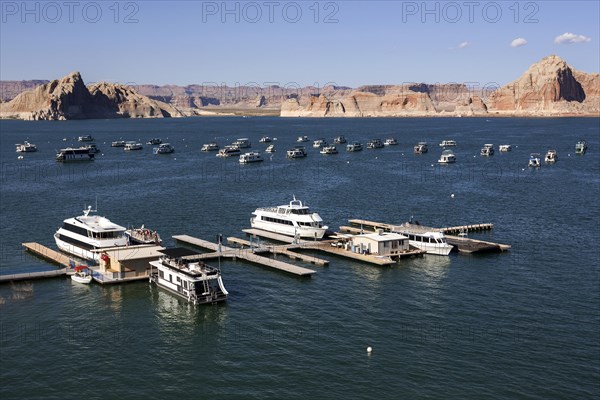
(452, 195)
(369, 349)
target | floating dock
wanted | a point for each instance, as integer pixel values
(48, 255)
(462, 244)
(243, 254)
(33, 275)
(285, 250)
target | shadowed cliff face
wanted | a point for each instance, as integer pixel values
(69, 98)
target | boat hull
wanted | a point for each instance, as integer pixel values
(432, 248)
(75, 250)
(289, 230)
(82, 279)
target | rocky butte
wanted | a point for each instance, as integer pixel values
(549, 87)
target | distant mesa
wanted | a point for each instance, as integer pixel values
(549, 87)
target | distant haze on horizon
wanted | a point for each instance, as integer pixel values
(287, 43)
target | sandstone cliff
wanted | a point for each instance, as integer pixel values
(69, 98)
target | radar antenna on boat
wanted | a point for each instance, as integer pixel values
(89, 208)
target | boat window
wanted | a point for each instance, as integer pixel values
(161, 274)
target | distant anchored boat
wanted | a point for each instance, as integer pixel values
(26, 147)
(71, 154)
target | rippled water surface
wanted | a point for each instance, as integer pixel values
(521, 324)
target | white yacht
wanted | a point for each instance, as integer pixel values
(421, 148)
(129, 146)
(177, 272)
(447, 157)
(242, 143)
(319, 143)
(250, 157)
(85, 236)
(85, 138)
(265, 139)
(210, 147)
(329, 150)
(297, 152)
(164, 148)
(534, 160)
(504, 148)
(354, 146)
(118, 143)
(391, 141)
(294, 219)
(431, 242)
(270, 148)
(71, 154)
(448, 143)
(374, 144)
(551, 156)
(487, 150)
(339, 140)
(26, 147)
(302, 139)
(229, 151)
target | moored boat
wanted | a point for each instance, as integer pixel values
(71, 154)
(581, 147)
(302, 139)
(118, 143)
(374, 144)
(551, 156)
(421, 148)
(250, 157)
(505, 147)
(265, 139)
(85, 236)
(229, 151)
(391, 141)
(339, 140)
(534, 160)
(354, 146)
(85, 138)
(210, 147)
(142, 235)
(154, 141)
(26, 147)
(192, 280)
(242, 143)
(447, 157)
(270, 148)
(293, 219)
(164, 148)
(329, 150)
(448, 143)
(82, 274)
(487, 150)
(319, 143)
(132, 145)
(296, 152)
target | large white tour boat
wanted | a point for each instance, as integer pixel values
(293, 219)
(177, 272)
(86, 235)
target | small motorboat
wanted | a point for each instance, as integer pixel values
(329, 150)
(210, 147)
(354, 146)
(302, 139)
(154, 141)
(487, 150)
(118, 143)
(132, 145)
(505, 147)
(534, 160)
(447, 157)
(265, 139)
(319, 143)
(82, 274)
(581, 147)
(551, 156)
(270, 148)
(421, 148)
(85, 138)
(391, 141)
(375, 144)
(26, 147)
(448, 143)
(297, 152)
(143, 236)
(339, 140)
(163, 148)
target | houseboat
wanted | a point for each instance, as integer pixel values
(194, 281)
(130, 146)
(85, 138)
(448, 143)
(354, 146)
(447, 157)
(250, 157)
(319, 143)
(26, 147)
(154, 141)
(118, 143)
(293, 219)
(339, 140)
(85, 236)
(505, 148)
(229, 151)
(534, 160)
(297, 152)
(487, 150)
(551, 156)
(242, 143)
(581, 147)
(390, 142)
(375, 144)
(329, 150)
(210, 147)
(421, 148)
(71, 154)
(164, 148)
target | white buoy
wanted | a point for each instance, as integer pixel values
(369, 349)
(347, 162)
(452, 195)
(20, 157)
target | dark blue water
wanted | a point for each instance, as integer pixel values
(522, 324)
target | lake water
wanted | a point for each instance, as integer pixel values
(521, 324)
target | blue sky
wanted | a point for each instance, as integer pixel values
(348, 43)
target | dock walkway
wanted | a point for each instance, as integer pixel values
(244, 254)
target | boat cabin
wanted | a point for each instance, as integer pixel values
(380, 243)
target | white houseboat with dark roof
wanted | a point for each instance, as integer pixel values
(85, 236)
(293, 219)
(178, 272)
(71, 154)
